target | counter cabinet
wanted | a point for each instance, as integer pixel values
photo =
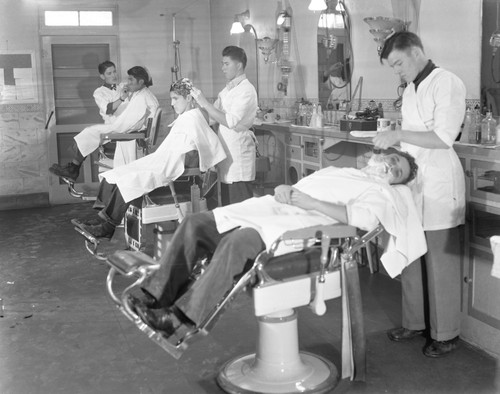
(481, 291)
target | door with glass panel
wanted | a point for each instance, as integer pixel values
(70, 78)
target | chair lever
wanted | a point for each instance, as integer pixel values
(318, 305)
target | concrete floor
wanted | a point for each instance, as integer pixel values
(60, 332)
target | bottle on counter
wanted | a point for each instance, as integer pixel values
(475, 128)
(313, 122)
(320, 120)
(488, 129)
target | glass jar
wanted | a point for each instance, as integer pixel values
(488, 130)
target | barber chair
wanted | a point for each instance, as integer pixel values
(161, 210)
(146, 139)
(325, 269)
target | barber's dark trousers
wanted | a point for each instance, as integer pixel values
(114, 206)
(196, 237)
(434, 290)
(231, 193)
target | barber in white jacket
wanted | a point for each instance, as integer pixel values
(234, 110)
(433, 110)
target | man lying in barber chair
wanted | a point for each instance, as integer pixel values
(190, 143)
(235, 234)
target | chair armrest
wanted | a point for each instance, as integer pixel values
(139, 135)
(337, 230)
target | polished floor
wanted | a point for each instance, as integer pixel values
(60, 333)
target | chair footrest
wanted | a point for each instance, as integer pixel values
(127, 262)
(163, 213)
(123, 136)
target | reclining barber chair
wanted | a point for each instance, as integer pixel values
(325, 269)
(146, 139)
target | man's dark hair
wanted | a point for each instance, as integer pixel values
(235, 53)
(105, 65)
(139, 72)
(400, 41)
(411, 162)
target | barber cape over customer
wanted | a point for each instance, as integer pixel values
(433, 110)
(234, 110)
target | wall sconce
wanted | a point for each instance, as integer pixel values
(381, 27)
(239, 21)
(266, 46)
(317, 5)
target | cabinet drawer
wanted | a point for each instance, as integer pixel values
(293, 139)
(294, 152)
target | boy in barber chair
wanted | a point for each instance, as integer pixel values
(190, 143)
(235, 234)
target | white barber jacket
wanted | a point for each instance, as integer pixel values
(438, 105)
(126, 151)
(239, 102)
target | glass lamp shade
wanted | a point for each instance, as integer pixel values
(237, 28)
(495, 40)
(266, 46)
(317, 5)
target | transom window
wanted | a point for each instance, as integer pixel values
(78, 18)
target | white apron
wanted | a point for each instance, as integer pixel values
(439, 189)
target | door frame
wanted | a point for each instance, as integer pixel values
(58, 193)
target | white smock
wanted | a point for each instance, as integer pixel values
(368, 202)
(238, 100)
(126, 151)
(439, 190)
(189, 131)
(142, 105)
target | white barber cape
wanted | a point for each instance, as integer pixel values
(439, 105)
(368, 202)
(143, 104)
(126, 151)
(189, 131)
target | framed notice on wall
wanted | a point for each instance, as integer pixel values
(18, 81)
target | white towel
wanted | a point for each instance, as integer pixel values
(495, 247)
(368, 202)
(189, 131)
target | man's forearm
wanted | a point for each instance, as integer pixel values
(427, 139)
(216, 114)
(335, 211)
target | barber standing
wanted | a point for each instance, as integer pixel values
(433, 109)
(234, 110)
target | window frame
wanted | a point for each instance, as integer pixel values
(77, 30)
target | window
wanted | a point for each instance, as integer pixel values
(78, 18)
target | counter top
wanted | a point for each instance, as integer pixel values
(335, 133)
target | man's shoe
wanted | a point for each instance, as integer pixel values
(162, 319)
(403, 334)
(103, 230)
(440, 348)
(70, 171)
(145, 300)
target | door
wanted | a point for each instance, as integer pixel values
(70, 77)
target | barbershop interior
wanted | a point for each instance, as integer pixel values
(83, 308)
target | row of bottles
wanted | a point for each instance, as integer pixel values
(478, 130)
(309, 115)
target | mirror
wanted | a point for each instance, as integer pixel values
(490, 57)
(335, 58)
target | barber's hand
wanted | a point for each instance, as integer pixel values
(124, 93)
(386, 139)
(199, 97)
(283, 194)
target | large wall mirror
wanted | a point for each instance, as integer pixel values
(490, 57)
(335, 58)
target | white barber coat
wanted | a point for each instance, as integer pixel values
(439, 105)
(190, 131)
(126, 151)
(239, 102)
(142, 105)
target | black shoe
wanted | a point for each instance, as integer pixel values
(145, 300)
(70, 171)
(440, 348)
(403, 334)
(162, 319)
(104, 230)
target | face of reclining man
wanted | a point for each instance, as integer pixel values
(399, 167)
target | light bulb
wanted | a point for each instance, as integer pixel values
(317, 5)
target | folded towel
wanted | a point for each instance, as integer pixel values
(363, 134)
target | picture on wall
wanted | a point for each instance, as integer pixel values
(18, 82)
